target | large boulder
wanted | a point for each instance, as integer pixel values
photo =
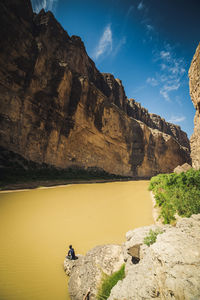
(184, 168)
(168, 269)
(86, 272)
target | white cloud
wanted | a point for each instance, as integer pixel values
(171, 71)
(131, 8)
(163, 66)
(177, 119)
(140, 6)
(152, 81)
(120, 43)
(166, 55)
(178, 100)
(105, 43)
(46, 4)
(149, 27)
(163, 78)
(169, 88)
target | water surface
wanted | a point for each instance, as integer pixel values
(36, 227)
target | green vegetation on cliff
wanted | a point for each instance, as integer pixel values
(151, 238)
(109, 282)
(177, 193)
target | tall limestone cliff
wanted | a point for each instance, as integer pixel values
(194, 75)
(57, 108)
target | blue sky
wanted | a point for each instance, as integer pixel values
(148, 44)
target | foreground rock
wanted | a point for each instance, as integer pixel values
(168, 269)
(194, 75)
(57, 109)
(86, 272)
(184, 168)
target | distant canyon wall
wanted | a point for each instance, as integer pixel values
(194, 75)
(57, 108)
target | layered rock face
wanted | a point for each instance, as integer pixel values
(168, 269)
(194, 75)
(57, 108)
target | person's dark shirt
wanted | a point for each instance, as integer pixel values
(71, 253)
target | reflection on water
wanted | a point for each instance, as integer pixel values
(36, 227)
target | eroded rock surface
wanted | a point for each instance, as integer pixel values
(184, 168)
(168, 269)
(194, 75)
(87, 272)
(57, 109)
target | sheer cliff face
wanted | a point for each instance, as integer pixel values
(57, 108)
(194, 75)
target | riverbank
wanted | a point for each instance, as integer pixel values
(155, 211)
(55, 183)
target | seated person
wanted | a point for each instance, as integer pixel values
(71, 253)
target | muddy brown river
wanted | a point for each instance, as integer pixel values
(36, 227)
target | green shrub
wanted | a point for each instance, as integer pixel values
(108, 282)
(177, 193)
(152, 236)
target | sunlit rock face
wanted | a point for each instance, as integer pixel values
(194, 75)
(58, 109)
(86, 272)
(168, 269)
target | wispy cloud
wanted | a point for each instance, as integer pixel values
(140, 6)
(120, 43)
(172, 69)
(108, 45)
(177, 119)
(46, 4)
(149, 27)
(105, 43)
(167, 88)
(165, 55)
(131, 8)
(171, 72)
(152, 81)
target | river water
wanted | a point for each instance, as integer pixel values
(37, 226)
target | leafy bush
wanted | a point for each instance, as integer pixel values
(152, 236)
(109, 282)
(177, 193)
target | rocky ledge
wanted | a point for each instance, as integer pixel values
(86, 272)
(168, 269)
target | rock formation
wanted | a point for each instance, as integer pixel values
(194, 75)
(168, 269)
(184, 168)
(87, 272)
(57, 109)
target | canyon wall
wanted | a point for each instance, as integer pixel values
(194, 75)
(57, 108)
